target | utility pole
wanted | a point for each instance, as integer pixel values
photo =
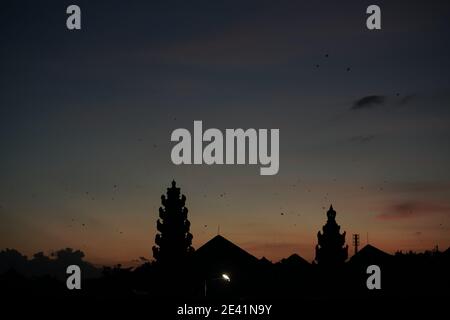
(356, 242)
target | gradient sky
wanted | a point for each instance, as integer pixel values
(86, 118)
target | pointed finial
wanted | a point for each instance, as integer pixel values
(331, 214)
(174, 184)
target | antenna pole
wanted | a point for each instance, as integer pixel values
(356, 242)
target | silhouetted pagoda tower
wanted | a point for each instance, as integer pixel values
(173, 243)
(330, 250)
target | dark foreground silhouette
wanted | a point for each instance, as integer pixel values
(221, 271)
(402, 275)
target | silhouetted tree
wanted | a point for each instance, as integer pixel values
(13, 259)
(173, 243)
(330, 249)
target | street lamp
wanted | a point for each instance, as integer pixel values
(224, 277)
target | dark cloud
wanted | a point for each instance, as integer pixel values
(362, 138)
(368, 102)
(407, 99)
(412, 209)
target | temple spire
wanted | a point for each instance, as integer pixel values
(173, 242)
(331, 249)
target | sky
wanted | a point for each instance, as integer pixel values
(86, 118)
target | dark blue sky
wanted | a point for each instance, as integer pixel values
(82, 111)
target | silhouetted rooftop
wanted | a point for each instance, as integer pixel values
(265, 261)
(219, 248)
(370, 253)
(295, 260)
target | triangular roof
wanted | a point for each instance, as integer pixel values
(295, 260)
(370, 253)
(265, 261)
(219, 248)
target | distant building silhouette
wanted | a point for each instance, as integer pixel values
(330, 250)
(221, 251)
(173, 243)
(295, 261)
(370, 255)
(220, 256)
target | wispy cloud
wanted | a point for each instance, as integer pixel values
(407, 99)
(362, 138)
(368, 102)
(412, 209)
